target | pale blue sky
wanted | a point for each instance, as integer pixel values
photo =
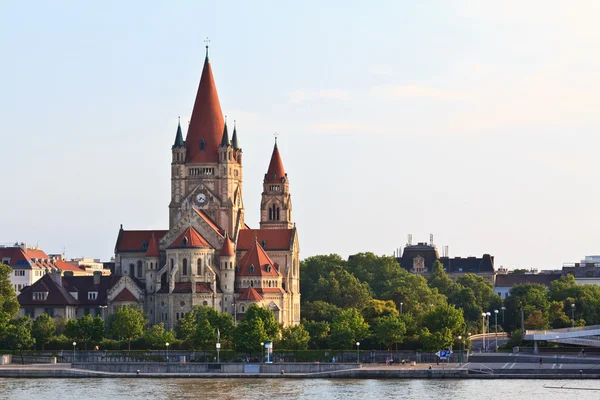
(475, 121)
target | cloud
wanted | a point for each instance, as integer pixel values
(306, 95)
(408, 91)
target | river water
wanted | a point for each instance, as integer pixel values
(243, 389)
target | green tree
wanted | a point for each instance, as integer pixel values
(438, 340)
(343, 289)
(267, 317)
(440, 280)
(85, 329)
(294, 338)
(483, 290)
(527, 297)
(442, 317)
(389, 329)
(42, 329)
(379, 308)
(318, 332)
(557, 316)
(248, 334)
(374, 270)
(205, 335)
(156, 336)
(319, 311)
(187, 327)
(313, 268)
(348, 328)
(536, 320)
(128, 323)
(18, 336)
(8, 299)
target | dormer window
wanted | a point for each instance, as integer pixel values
(202, 145)
(263, 244)
(92, 295)
(268, 268)
(40, 295)
(144, 245)
(185, 241)
(251, 269)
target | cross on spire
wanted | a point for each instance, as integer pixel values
(276, 134)
(207, 41)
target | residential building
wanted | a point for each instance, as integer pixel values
(506, 281)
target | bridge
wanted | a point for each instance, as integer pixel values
(580, 336)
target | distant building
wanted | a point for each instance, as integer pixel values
(505, 281)
(419, 259)
(585, 272)
(90, 265)
(72, 296)
(30, 263)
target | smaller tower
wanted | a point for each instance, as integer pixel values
(234, 143)
(276, 204)
(227, 266)
(178, 177)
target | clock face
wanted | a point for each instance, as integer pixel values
(201, 198)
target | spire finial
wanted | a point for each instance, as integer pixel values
(206, 41)
(276, 134)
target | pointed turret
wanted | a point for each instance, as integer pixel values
(206, 124)
(152, 250)
(234, 138)
(227, 249)
(178, 136)
(276, 172)
(225, 139)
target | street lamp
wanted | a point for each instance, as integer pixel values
(503, 308)
(218, 350)
(483, 329)
(74, 344)
(488, 326)
(573, 315)
(496, 316)
(358, 351)
(460, 354)
(262, 349)
(167, 344)
(401, 307)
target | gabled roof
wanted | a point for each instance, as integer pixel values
(189, 238)
(153, 250)
(65, 266)
(250, 294)
(276, 172)
(210, 222)
(273, 239)
(227, 249)
(125, 295)
(133, 241)
(57, 296)
(256, 262)
(206, 123)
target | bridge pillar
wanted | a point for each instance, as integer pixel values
(535, 347)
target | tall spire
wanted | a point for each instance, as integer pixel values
(206, 123)
(276, 172)
(234, 139)
(179, 136)
(225, 139)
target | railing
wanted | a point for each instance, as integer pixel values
(562, 330)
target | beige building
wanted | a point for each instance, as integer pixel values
(209, 256)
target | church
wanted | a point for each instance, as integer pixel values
(209, 256)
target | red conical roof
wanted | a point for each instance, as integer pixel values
(256, 262)
(250, 294)
(206, 123)
(276, 171)
(152, 250)
(227, 249)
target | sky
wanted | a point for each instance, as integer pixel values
(477, 122)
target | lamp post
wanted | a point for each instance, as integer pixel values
(488, 326)
(218, 350)
(401, 307)
(496, 316)
(573, 315)
(262, 349)
(358, 352)
(74, 344)
(460, 354)
(503, 309)
(483, 329)
(167, 345)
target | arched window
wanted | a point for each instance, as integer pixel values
(199, 267)
(139, 269)
(185, 266)
(172, 263)
(131, 269)
(277, 214)
(252, 283)
(270, 214)
(202, 145)
(242, 308)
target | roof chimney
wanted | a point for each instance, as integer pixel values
(56, 277)
(97, 275)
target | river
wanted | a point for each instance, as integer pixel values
(248, 389)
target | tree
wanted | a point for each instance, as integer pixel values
(388, 330)
(374, 270)
(483, 290)
(187, 327)
(342, 289)
(318, 332)
(526, 297)
(205, 335)
(319, 311)
(8, 299)
(128, 323)
(267, 317)
(313, 268)
(42, 329)
(440, 280)
(536, 320)
(156, 336)
(294, 338)
(379, 308)
(439, 340)
(444, 317)
(557, 316)
(85, 329)
(348, 328)
(248, 334)
(18, 336)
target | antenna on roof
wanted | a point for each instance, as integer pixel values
(431, 239)
(445, 251)
(410, 239)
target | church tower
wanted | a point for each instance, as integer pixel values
(177, 174)
(276, 204)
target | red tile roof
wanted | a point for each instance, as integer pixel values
(189, 238)
(36, 254)
(250, 294)
(276, 172)
(65, 266)
(16, 254)
(274, 239)
(256, 262)
(153, 247)
(207, 121)
(227, 249)
(125, 295)
(270, 290)
(210, 222)
(134, 240)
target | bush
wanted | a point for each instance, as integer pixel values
(59, 343)
(109, 344)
